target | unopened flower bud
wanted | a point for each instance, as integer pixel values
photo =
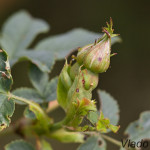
(90, 79)
(82, 52)
(96, 56)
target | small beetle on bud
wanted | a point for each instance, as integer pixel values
(96, 56)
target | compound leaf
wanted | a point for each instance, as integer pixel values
(19, 31)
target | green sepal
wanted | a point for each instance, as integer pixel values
(78, 110)
(77, 90)
(64, 75)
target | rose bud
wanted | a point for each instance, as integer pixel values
(82, 52)
(96, 57)
(90, 79)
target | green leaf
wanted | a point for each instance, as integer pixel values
(62, 44)
(7, 105)
(67, 137)
(45, 145)
(19, 145)
(18, 33)
(47, 89)
(7, 108)
(140, 129)
(93, 143)
(28, 93)
(29, 114)
(38, 78)
(50, 90)
(109, 107)
(6, 80)
(42, 59)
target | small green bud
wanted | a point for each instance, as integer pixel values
(65, 78)
(82, 52)
(74, 70)
(96, 56)
(90, 79)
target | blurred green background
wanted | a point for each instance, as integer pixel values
(128, 79)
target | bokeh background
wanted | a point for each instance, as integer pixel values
(128, 79)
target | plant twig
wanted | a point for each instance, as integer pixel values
(110, 139)
(27, 101)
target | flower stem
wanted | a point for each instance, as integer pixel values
(110, 139)
(29, 102)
